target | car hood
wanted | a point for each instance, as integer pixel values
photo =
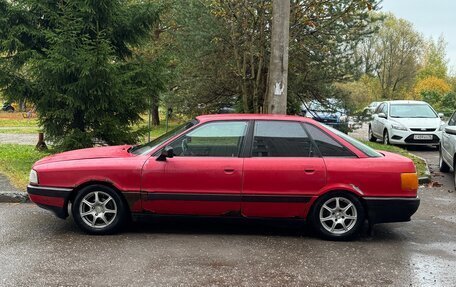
(419, 122)
(89, 153)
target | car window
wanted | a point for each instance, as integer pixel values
(385, 109)
(217, 139)
(452, 121)
(148, 147)
(379, 108)
(281, 139)
(326, 144)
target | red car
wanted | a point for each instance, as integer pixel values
(254, 166)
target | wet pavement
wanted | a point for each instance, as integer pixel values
(37, 249)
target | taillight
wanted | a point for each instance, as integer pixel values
(409, 181)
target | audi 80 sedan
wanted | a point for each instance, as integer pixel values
(252, 166)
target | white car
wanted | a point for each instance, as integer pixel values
(406, 123)
(448, 147)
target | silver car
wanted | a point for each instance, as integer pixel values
(448, 147)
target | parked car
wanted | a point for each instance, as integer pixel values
(7, 107)
(447, 155)
(252, 166)
(406, 123)
(331, 113)
(370, 109)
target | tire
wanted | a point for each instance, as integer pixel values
(386, 140)
(329, 219)
(443, 167)
(454, 176)
(98, 209)
(371, 136)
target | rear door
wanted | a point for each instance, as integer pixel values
(376, 120)
(283, 171)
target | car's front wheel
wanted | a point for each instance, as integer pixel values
(442, 164)
(98, 209)
(372, 138)
(386, 140)
(337, 216)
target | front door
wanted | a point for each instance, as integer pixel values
(283, 172)
(205, 175)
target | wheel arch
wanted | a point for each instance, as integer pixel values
(351, 191)
(83, 185)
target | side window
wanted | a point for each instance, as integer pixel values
(452, 121)
(385, 109)
(379, 109)
(326, 144)
(281, 139)
(217, 139)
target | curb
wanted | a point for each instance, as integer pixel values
(427, 178)
(13, 197)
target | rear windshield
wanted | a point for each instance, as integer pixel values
(412, 111)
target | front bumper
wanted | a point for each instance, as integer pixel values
(51, 198)
(391, 209)
(399, 137)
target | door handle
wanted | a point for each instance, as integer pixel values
(229, 170)
(309, 170)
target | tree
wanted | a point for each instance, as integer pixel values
(75, 60)
(230, 41)
(392, 56)
(434, 60)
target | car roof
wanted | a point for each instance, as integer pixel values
(405, 102)
(220, 117)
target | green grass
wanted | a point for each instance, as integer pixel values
(419, 163)
(17, 122)
(16, 162)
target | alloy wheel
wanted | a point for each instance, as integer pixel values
(98, 209)
(338, 215)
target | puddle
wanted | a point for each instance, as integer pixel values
(432, 271)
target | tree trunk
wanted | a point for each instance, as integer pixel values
(276, 102)
(155, 115)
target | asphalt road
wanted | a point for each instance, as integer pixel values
(37, 249)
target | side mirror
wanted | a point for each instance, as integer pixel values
(441, 115)
(382, 115)
(450, 130)
(167, 152)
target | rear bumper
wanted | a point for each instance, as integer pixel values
(51, 198)
(391, 209)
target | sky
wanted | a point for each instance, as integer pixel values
(431, 18)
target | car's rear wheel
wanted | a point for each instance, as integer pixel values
(337, 216)
(442, 164)
(372, 138)
(98, 209)
(386, 140)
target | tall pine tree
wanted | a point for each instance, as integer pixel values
(78, 62)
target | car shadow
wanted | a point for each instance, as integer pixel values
(209, 225)
(421, 148)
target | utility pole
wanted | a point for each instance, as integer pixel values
(278, 65)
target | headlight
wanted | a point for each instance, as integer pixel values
(33, 177)
(398, 127)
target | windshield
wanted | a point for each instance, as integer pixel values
(359, 145)
(148, 147)
(412, 111)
